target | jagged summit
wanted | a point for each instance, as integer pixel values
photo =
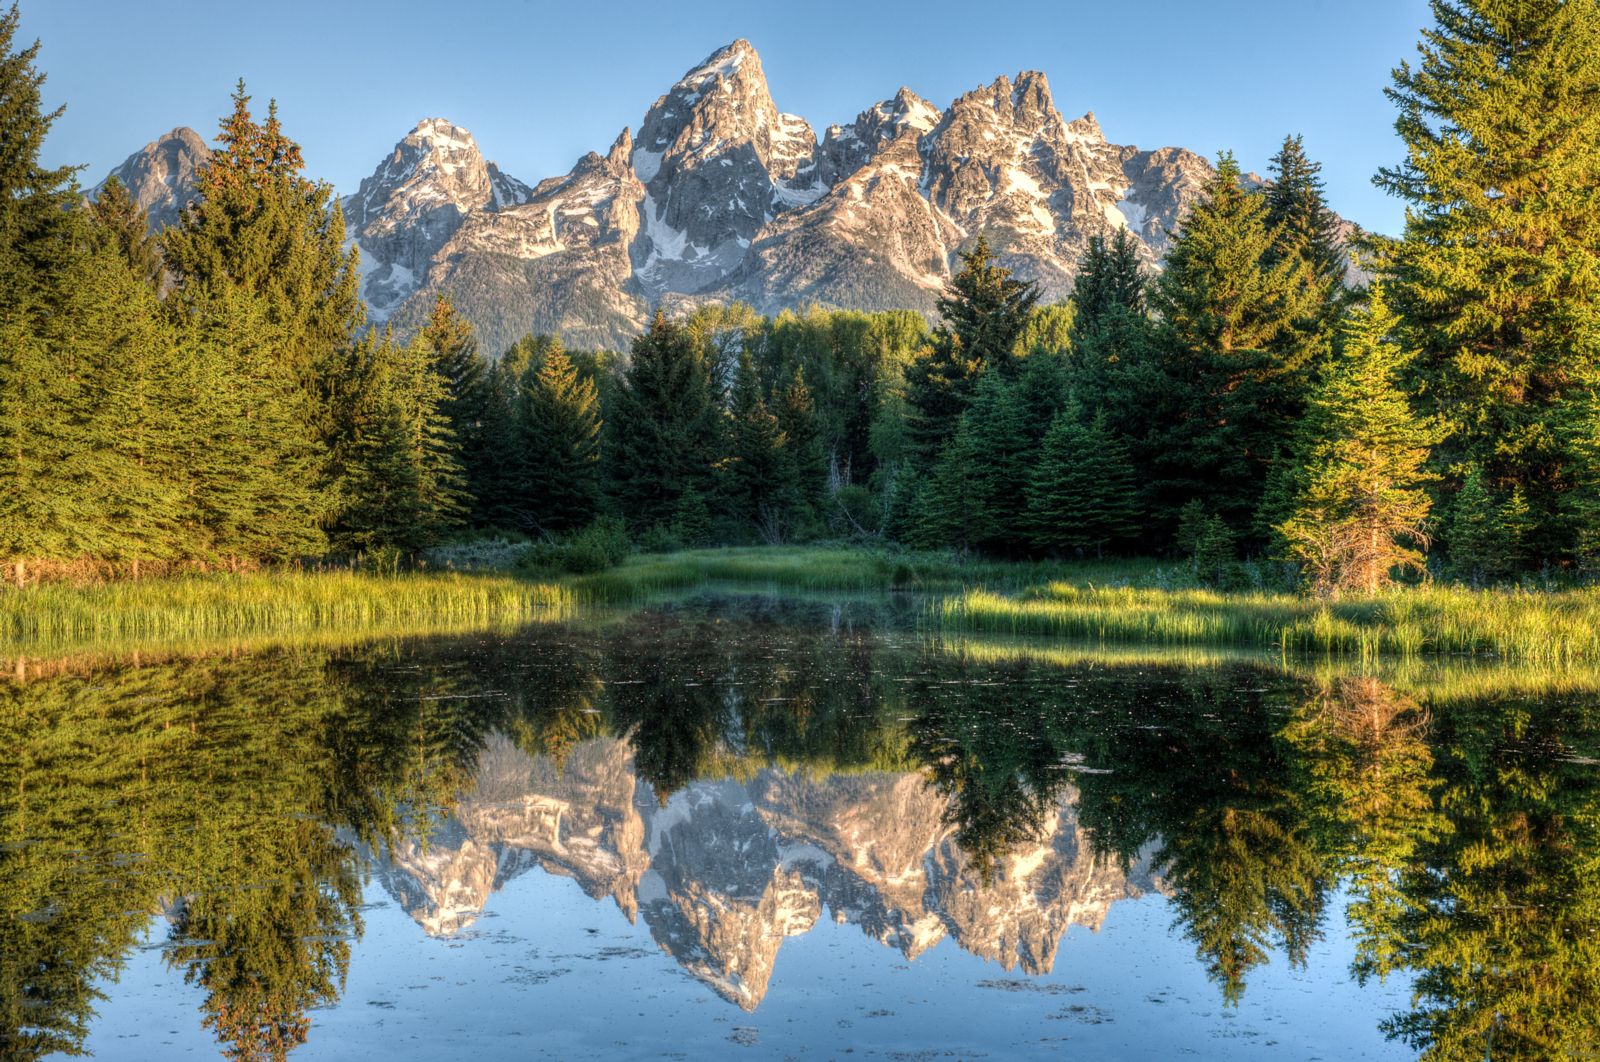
(726, 871)
(718, 194)
(161, 176)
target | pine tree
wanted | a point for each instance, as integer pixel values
(800, 421)
(1498, 273)
(129, 409)
(1110, 280)
(561, 444)
(664, 435)
(467, 396)
(404, 487)
(1484, 536)
(984, 314)
(1083, 495)
(1302, 226)
(1224, 310)
(1002, 453)
(1361, 512)
(760, 479)
(37, 224)
(260, 226)
(117, 220)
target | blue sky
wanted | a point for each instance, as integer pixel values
(539, 83)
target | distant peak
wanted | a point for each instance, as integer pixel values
(1087, 127)
(443, 133)
(621, 150)
(725, 61)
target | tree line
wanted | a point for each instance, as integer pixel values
(214, 397)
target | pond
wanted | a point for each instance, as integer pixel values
(747, 826)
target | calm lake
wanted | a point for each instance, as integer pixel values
(745, 826)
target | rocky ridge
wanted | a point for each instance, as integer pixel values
(725, 871)
(723, 196)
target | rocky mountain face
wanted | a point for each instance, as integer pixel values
(725, 871)
(722, 196)
(161, 176)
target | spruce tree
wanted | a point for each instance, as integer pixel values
(801, 423)
(665, 434)
(1498, 273)
(1110, 280)
(1302, 226)
(1003, 449)
(561, 444)
(1083, 494)
(760, 479)
(1111, 357)
(260, 226)
(117, 220)
(37, 224)
(130, 409)
(404, 487)
(1361, 512)
(1224, 309)
(985, 312)
(467, 396)
(1484, 535)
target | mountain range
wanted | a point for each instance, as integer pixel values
(720, 196)
(722, 872)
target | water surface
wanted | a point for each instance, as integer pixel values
(750, 826)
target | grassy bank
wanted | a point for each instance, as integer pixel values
(57, 617)
(1131, 603)
(1538, 628)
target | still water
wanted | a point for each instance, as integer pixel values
(751, 827)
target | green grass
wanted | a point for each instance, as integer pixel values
(1124, 602)
(1546, 628)
(57, 617)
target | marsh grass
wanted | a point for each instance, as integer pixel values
(199, 609)
(1546, 628)
(1434, 679)
(1132, 603)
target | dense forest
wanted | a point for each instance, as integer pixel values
(212, 396)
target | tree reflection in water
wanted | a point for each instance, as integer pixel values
(244, 797)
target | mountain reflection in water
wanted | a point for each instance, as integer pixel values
(728, 771)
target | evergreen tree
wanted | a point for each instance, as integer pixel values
(37, 224)
(997, 468)
(404, 488)
(117, 220)
(944, 511)
(1083, 495)
(260, 227)
(129, 412)
(1361, 513)
(1110, 280)
(760, 478)
(1498, 273)
(665, 432)
(257, 479)
(985, 312)
(800, 422)
(467, 396)
(1302, 226)
(1484, 536)
(1224, 310)
(561, 444)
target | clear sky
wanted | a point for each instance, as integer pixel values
(539, 82)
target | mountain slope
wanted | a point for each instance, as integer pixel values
(723, 196)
